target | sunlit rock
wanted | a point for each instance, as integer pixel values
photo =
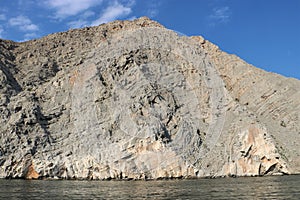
(134, 100)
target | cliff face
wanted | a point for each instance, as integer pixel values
(133, 100)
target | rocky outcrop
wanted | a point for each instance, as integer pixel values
(271, 98)
(134, 100)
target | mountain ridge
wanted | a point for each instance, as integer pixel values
(134, 100)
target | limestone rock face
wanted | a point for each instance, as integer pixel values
(134, 100)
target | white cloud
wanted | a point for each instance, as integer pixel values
(78, 24)
(29, 36)
(220, 15)
(152, 13)
(66, 8)
(112, 12)
(2, 17)
(87, 14)
(82, 21)
(153, 9)
(23, 23)
(30, 27)
(132, 18)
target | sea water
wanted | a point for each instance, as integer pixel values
(272, 187)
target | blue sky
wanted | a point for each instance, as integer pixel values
(265, 33)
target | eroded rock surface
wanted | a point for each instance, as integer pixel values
(134, 100)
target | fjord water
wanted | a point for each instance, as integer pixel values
(275, 187)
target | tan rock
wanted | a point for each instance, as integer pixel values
(133, 100)
(31, 173)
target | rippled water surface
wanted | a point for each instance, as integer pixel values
(276, 187)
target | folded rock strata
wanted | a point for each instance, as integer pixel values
(134, 100)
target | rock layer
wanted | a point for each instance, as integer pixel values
(134, 100)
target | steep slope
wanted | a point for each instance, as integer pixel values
(274, 99)
(133, 100)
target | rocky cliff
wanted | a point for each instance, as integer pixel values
(134, 100)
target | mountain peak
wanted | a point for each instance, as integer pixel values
(134, 100)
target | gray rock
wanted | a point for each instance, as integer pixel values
(134, 100)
